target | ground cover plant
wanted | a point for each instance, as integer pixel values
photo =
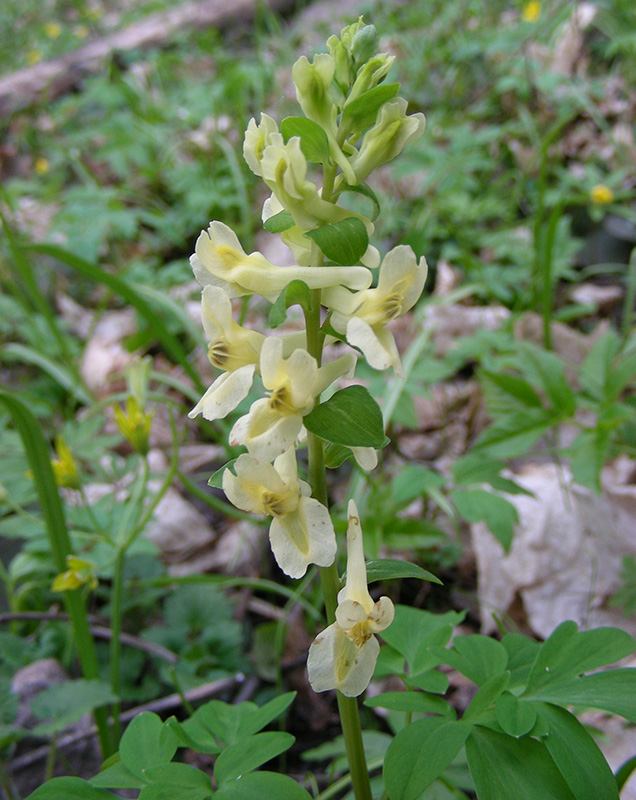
(333, 467)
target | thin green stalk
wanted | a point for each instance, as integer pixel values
(547, 278)
(115, 643)
(630, 297)
(347, 706)
(53, 513)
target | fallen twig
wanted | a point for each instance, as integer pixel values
(52, 78)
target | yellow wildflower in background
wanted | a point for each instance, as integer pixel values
(81, 31)
(601, 194)
(41, 166)
(52, 30)
(33, 56)
(135, 424)
(64, 466)
(531, 11)
(79, 572)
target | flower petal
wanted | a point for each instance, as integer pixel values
(224, 395)
(334, 662)
(302, 537)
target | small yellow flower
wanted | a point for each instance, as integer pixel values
(601, 195)
(33, 56)
(64, 466)
(81, 31)
(531, 11)
(135, 424)
(79, 572)
(41, 166)
(52, 30)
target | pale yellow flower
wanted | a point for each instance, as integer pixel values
(284, 170)
(313, 84)
(220, 260)
(52, 30)
(531, 11)
(301, 532)
(362, 315)
(344, 655)
(81, 31)
(392, 132)
(79, 573)
(34, 56)
(274, 423)
(601, 195)
(64, 466)
(41, 166)
(257, 138)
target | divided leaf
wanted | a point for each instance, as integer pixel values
(419, 754)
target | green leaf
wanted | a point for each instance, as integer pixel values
(486, 696)
(588, 455)
(147, 742)
(295, 293)
(66, 702)
(350, 417)
(387, 569)
(414, 631)
(477, 657)
(594, 370)
(343, 242)
(513, 435)
(522, 652)
(336, 454)
(313, 139)
(480, 505)
(260, 785)
(117, 776)
(577, 756)
(366, 191)
(548, 370)
(570, 652)
(613, 691)
(279, 223)
(69, 789)
(250, 753)
(478, 468)
(513, 385)
(411, 702)
(362, 112)
(515, 716)
(412, 482)
(504, 768)
(419, 754)
(63, 374)
(263, 715)
(216, 479)
(168, 781)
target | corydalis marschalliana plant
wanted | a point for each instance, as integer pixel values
(353, 123)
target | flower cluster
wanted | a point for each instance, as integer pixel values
(351, 126)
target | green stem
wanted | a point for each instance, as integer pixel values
(347, 706)
(115, 644)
